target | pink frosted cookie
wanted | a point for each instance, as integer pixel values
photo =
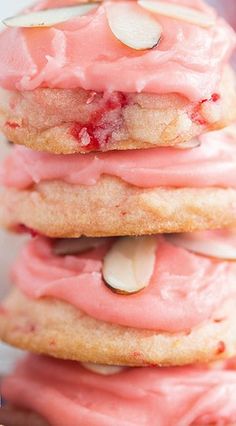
(122, 193)
(94, 395)
(167, 300)
(80, 81)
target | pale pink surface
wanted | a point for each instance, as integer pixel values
(83, 52)
(212, 164)
(137, 396)
(185, 289)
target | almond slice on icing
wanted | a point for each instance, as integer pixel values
(132, 27)
(70, 246)
(193, 143)
(216, 245)
(175, 11)
(48, 17)
(104, 370)
(129, 264)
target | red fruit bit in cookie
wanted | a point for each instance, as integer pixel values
(220, 348)
(196, 115)
(97, 132)
(12, 125)
(23, 229)
(117, 100)
(85, 135)
(215, 97)
(197, 118)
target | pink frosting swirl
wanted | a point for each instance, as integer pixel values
(136, 396)
(211, 165)
(185, 289)
(83, 52)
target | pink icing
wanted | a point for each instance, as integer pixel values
(184, 291)
(137, 396)
(83, 52)
(212, 164)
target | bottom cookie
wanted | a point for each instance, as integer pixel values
(55, 328)
(95, 395)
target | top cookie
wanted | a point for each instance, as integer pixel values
(115, 74)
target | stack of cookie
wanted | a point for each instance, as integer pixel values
(122, 186)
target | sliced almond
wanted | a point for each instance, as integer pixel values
(217, 245)
(175, 11)
(132, 27)
(104, 370)
(48, 17)
(193, 143)
(70, 246)
(129, 264)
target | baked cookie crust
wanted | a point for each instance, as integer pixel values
(55, 328)
(112, 207)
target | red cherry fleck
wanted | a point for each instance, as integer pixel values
(196, 115)
(88, 134)
(80, 132)
(117, 100)
(197, 118)
(12, 125)
(23, 229)
(220, 348)
(215, 97)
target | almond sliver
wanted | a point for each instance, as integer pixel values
(104, 370)
(48, 17)
(207, 244)
(129, 264)
(132, 27)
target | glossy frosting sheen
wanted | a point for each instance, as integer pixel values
(184, 291)
(83, 52)
(136, 396)
(212, 164)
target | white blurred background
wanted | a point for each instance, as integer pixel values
(9, 244)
